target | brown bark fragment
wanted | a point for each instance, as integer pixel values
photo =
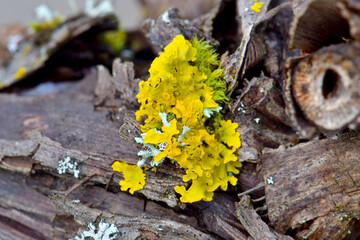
(350, 10)
(315, 181)
(120, 88)
(260, 113)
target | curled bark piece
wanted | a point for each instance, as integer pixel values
(234, 64)
(325, 86)
(319, 24)
(312, 188)
(304, 128)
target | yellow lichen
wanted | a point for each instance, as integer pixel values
(20, 73)
(134, 177)
(180, 106)
(39, 26)
(256, 7)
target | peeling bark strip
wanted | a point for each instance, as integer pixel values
(253, 224)
(319, 24)
(314, 187)
(326, 87)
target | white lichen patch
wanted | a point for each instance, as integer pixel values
(164, 120)
(185, 130)
(270, 180)
(105, 232)
(165, 17)
(68, 165)
(210, 111)
(92, 9)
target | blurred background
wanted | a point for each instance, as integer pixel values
(20, 11)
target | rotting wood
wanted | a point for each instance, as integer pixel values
(312, 188)
(50, 143)
(67, 124)
(234, 64)
(304, 128)
(325, 87)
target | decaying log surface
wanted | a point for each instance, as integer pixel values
(37, 132)
(313, 187)
(64, 121)
(287, 189)
(234, 64)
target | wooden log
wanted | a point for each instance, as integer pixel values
(325, 86)
(312, 188)
(39, 131)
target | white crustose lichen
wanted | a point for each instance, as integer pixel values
(105, 232)
(68, 165)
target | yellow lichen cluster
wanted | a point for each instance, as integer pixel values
(181, 105)
(134, 177)
(20, 72)
(256, 7)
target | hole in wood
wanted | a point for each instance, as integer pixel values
(331, 84)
